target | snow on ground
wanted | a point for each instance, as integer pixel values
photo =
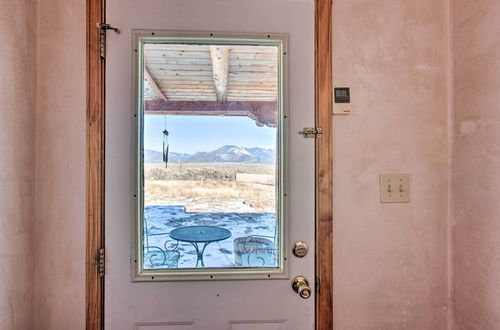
(165, 218)
(202, 205)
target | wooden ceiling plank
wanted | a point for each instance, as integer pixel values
(253, 56)
(196, 79)
(190, 90)
(245, 82)
(194, 95)
(206, 61)
(182, 78)
(194, 47)
(233, 66)
(159, 73)
(176, 54)
(209, 85)
(176, 47)
(181, 67)
(192, 74)
(175, 61)
(255, 49)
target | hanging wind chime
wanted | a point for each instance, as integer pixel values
(165, 144)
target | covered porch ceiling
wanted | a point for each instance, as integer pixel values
(193, 79)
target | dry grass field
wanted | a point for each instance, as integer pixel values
(208, 187)
(204, 172)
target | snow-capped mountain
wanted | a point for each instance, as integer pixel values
(262, 155)
(225, 154)
(234, 154)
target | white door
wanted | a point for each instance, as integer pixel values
(208, 183)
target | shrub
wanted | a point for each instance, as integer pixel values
(203, 172)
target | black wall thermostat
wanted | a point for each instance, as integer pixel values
(342, 95)
(342, 101)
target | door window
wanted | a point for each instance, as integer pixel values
(210, 157)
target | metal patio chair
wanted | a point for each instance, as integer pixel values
(157, 257)
(255, 251)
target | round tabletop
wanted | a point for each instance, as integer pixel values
(200, 234)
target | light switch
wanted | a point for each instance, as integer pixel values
(394, 188)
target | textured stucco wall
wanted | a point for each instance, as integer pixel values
(390, 260)
(17, 148)
(476, 157)
(60, 166)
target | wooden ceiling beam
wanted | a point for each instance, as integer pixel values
(263, 112)
(151, 87)
(220, 70)
(167, 106)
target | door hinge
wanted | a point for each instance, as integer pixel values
(317, 284)
(103, 27)
(312, 132)
(100, 262)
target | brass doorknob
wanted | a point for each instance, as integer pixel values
(301, 286)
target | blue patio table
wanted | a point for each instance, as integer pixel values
(200, 235)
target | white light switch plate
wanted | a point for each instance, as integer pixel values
(394, 188)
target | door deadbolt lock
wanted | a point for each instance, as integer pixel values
(301, 286)
(300, 249)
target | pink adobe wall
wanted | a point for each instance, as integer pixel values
(60, 166)
(17, 133)
(476, 156)
(391, 260)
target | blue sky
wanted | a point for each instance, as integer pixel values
(190, 134)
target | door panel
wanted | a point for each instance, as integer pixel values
(220, 304)
(164, 326)
(258, 325)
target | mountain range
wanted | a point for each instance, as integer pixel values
(225, 154)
